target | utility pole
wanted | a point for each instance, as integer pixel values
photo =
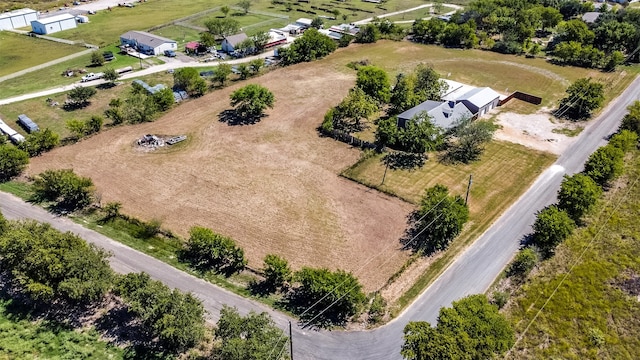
(466, 199)
(290, 342)
(386, 166)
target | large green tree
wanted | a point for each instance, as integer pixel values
(583, 96)
(311, 46)
(355, 107)
(139, 108)
(252, 100)
(624, 140)
(221, 73)
(47, 265)
(189, 79)
(79, 96)
(12, 161)
(63, 187)
(577, 195)
(250, 337)
(374, 82)
(222, 27)
(276, 271)
(631, 120)
(323, 297)
(605, 164)
(206, 250)
(468, 140)
(40, 141)
(552, 226)
(471, 329)
(439, 220)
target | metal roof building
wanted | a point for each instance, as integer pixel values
(148, 43)
(54, 24)
(27, 123)
(17, 19)
(444, 114)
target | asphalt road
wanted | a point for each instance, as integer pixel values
(472, 272)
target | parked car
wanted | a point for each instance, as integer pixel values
(129, 5)
(170, 53)
(108, 56)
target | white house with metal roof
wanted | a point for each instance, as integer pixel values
(444, 114)
(54, 24)
(17, 19)
(148, 43)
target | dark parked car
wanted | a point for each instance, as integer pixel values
(170, 53)
(108, 56)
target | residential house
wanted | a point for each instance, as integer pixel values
(148, 43)
(229, 43)
(444, 114)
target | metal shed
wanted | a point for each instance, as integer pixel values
(53, 24)
(27, 123)
(17, 19)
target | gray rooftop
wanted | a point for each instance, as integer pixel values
(445, 114)
(590, 17)
(479, 96)
(146, 38)
(236, 39)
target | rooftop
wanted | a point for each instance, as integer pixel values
(146, 38)
(480, 96)
(236, 39)
(16, 12)
(455, 90)
(444, 114)
(56, 18)
(590, 17)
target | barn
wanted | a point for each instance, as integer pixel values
(53, 24)
(17, 19)
(147, 43)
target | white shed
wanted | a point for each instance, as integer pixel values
(53, 24)
(17, 19)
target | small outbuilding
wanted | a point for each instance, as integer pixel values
(17, 19)
(148, 43)
(54, 24)
(27, 124)
(230, 42)
(304, 23)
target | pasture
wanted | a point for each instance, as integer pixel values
(16, 52)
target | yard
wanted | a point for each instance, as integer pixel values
(16, 52)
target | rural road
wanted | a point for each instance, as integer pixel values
(368, 20)
(472, 272)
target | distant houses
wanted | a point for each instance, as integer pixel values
(17, 19)
(148, 43)
(54, 24)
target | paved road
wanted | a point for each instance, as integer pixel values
(472, 272)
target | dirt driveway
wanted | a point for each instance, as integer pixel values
(273, 186)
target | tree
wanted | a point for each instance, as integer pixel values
(4, 224)
(256, 65)
(245, 47)
(631, 121)
(207, 39)
(583, 96)
(80, 129)
(443, 215)
(176, 319)
(577, 195)
(552, 226)
(252, 100)
(462, 36)
(356, 106)
(12, 161)
(575, 30)
(245, 5)
(110, 75)
(64, 188)
(97, 59)
(79, 96)
(220, 28)
(428, 31)
(469, 138)
(570, 8)
(311, 46)
(189, 80)
(525, 260)
(206, 250)
(164, 98)
(387, 132)
(317, 23)
(428, 85)
(115, 111)
(374, 82)
(139, 108)
(403, 96)
(624, 140)
(550, 17)
(244, 71)
(613, 35)
(250, 337)
(276, 271)
(221, 73)
(337, 293)
(605, 164)
(368, 34)
(39, 142)
(260, 41)
(225, 10)
(471, 329)
(47, 265)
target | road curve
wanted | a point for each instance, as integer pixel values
(472, 272)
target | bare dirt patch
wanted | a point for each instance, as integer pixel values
(273, 186)
(535, 131)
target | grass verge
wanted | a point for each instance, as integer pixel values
(591, 285)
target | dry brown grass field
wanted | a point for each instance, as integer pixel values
(272, 186)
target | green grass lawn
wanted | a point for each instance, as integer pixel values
(17, 52)
(604, 255)
(22, 338)
(242, 19)
(178, 33)
(504, 172)
(419, 14)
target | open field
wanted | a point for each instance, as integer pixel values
(596, 273)
(419, 14)
(272, 186)
(16, 52)
(21, 338)
(181, 34)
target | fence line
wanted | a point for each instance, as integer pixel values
(350, 139)
(535, 100)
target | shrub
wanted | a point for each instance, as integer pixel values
(523, 263)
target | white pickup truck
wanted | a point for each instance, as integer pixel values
(92, 76)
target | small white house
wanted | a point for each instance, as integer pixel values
(53, 24)
(17, 19)
(147, 43)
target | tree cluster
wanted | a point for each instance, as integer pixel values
(139, 106)
(466, 142)
(251, 101)
(418, 136)
(12, 161)
(176, 319)
(631, 121)
(413, 88)
(380, 29)
(80, 129)
(583, 97)
(471, 329)
(39, 142)
(311, 46)
(64, 188)
(206, 250)
(189, 80)
(79, 96)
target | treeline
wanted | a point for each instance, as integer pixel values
(508, 26)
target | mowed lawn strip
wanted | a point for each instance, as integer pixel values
(17, 52)
(589, 300)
